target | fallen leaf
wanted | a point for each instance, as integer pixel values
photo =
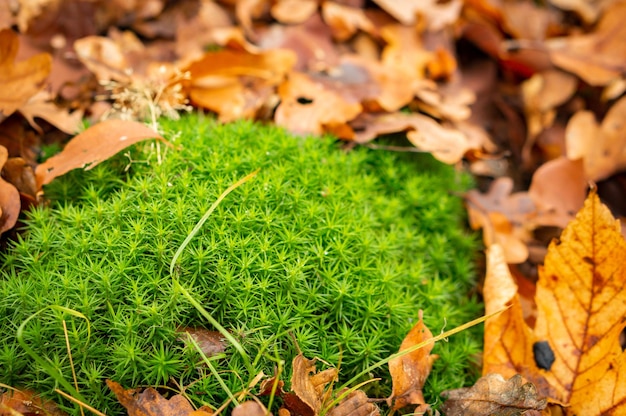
(309, 388)
(41, 105)
(602, 148)
(573, 354)
(345, 21)
(599, 57)
(493, 395)
(410, 371)
(355, 404)
(151, 403)
(293, 11)
(92, 146)
(210, 342)
(250, 408)
(504, 216)
(21, 175)
(19, 80)
(10, 204)
(308, 107)
(27, 403)
(558, 189)
(437, 15)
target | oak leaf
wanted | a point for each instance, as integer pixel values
(493, 395)
(19, 80)
(92, 146)
(410, 371)
(573, 354)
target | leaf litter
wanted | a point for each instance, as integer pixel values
(552, 123)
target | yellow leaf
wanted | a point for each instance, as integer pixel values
(573, 355)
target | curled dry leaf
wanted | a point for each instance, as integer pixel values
(602, 148)
(293, 11)
(493, 395)
(573, 355)
(504, 218)
(19, 80)
(355, 404)
(310, 389)
(151, 403)
(92, 146)
(558, 189)
(410, 371)
(237, 84)
(599, 57)
(310, 107)
(250, 408)
(41, 105)
(437, 15)
(10, 204)
(345, 21)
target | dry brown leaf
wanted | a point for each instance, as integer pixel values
(210, 342)
(236, 84)
(355, 404)
(19, 80)
(21, 175)
(10, 204)
(542, 93)
(41, 105)
(558, 189)
(602, 148)
(410, 371)
(310, 389)
(598, 57)
(92, 146)
(293, 11)
(504, 217)
(250, 408)
(437, 15)
(587, 10)
(151, 403)
(573, 355)
(308, 107)
(104, 57)
(493, 395)
(27, 403)
(344, 21)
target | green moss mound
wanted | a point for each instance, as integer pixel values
(328, 251)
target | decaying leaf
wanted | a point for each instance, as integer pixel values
(602, 148)
(309, 107)
(250, 408)
(27, 403)
(210, 342)
(355, 404)
(503, 216)
(573, 355)
(9, 198)
(409, 371)
(151, 403)
(598, 57)
(41, 105)
(493, 395)
(310, 389)
(93, 146)
(19, 80)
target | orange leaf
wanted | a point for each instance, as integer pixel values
(409, 372)
(19, 80)
(574, 354)
(9, 198)
(94, 145)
